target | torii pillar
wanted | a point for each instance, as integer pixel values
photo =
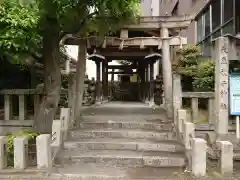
(151, 88)
(98, 82)
(146, 86)
(167, 72)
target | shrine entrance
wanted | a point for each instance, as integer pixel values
(146, 47)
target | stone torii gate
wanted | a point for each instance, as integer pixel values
(129, 45)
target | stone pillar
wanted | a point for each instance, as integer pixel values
(3, 151)
(44, 151)
(221, 86)
(177, 95)
(20, 152)
(188, 134)
(65, 121)
(167, 72)
(7, 107)
(151, 88)
(199, 157)
(181, 119)
(57, 133)
(98, 81)
(226, 157)
(22, 107)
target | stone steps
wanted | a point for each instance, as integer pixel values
(119, 158)
(156, 125)
(126, 110)
(124, 144)
(121, 133)
(117, 173)
(121, 141)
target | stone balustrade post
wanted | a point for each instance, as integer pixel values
(211, 111)
(36, 103)
(7, 107)
(57, 128)
(3, 152)
(194, 108)
(181, 119)
(199, 157)
(22, 110)
(44, 151)
(20, 152)
(177, 96)
(226, 157)
(188, 134)
(65, 121)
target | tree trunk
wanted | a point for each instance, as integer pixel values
(80, 74)
(52, 84)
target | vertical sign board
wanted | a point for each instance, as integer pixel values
(235, 94)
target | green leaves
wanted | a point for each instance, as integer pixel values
(200, 71)
(18, 28)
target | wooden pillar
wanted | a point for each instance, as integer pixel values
(147, 82)
(112, 75)
(142, 74)
(106, 82)
(167, 72)
(103, 78)
(98, 81)
(139, 82)
(151, 90)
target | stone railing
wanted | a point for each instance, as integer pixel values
(46, 146)
(197, 150)
(23, 117)
(194, 97)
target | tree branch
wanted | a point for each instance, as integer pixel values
(36, 56)
(78, 28)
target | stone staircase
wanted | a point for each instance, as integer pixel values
(122, 141)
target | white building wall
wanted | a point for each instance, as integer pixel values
(150, 7)
(155, 7)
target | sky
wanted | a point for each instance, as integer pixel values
(91, 66)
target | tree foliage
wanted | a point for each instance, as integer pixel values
(200, 72)
(18, 29)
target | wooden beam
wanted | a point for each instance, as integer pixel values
(141, 42)
(126, 73)
(126, 55)
(122, 67)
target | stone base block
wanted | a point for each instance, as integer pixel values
(120, 159)
(98, 103)
(128, 125)
(164, 161)
(122, 134)
(122, 144)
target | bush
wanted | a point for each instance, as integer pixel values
(197, 75)
(10, 148)
(204, 78)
